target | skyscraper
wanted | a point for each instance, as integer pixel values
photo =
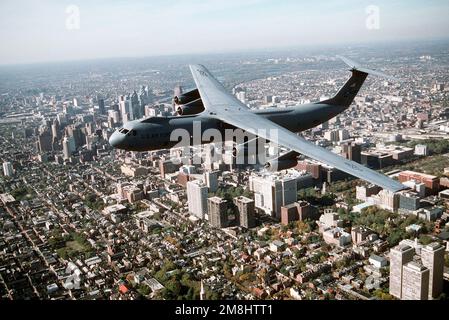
(135, 106)
(217, 208)
(432, 257)
(197, 198)
(68, 147)
(211, 179)
(45, 141)
(415, 282)
(246, 210)
(8, 169)
(399, 256)
(101, 108)
(272, 192)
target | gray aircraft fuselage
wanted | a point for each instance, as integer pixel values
(154, 133)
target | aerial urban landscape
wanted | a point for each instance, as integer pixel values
(81, 220)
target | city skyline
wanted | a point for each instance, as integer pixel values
(64, 31)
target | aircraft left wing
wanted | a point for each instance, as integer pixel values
(225, 107)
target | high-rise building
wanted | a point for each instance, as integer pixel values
(332, 135)
(68, 147)
(8, 169)
(352, 151)
(55, 129)
(343, 134)
(246, 210)
(217, 208)
(273, 192)
(432, 257)
(399, 256)
(137, 111)
(197, 198)
(101, 108)
(211, 179)
(415, 282)
(75, 132)
(45, 141)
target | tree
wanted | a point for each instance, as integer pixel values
(174, 286)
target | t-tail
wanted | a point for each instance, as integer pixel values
(351, 88)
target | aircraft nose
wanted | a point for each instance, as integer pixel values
(116, 140)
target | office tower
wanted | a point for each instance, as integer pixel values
(331, 135)
(45, 141)
(135, 107)
(272, 192)
(55, 129)
(217, 212)
(343, 134)
(115, 116)
(399, 256)
(415, 282)
(7, 169)
(352, 151)
(75, 102)
(78, 136)
(246, 208)
(148, 93)
(432, 257)
(197, 198)
(211, 179)
(68, 147)
(62, 118)
(101, 107)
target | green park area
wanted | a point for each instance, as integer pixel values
(70, 245)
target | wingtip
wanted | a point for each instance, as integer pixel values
(357, 66)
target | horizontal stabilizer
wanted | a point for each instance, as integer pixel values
(356, 66)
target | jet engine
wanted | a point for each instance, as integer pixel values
(286, 161)
(188, 103)
(190, 108)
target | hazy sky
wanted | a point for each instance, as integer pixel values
(36, 31)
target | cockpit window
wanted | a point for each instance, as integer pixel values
(124, 131)
(134, 132)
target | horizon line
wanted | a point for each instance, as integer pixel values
(230, 51)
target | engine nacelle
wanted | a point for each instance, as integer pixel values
(276, 165)
(191, 108)
(284, 162)
(187, 97)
